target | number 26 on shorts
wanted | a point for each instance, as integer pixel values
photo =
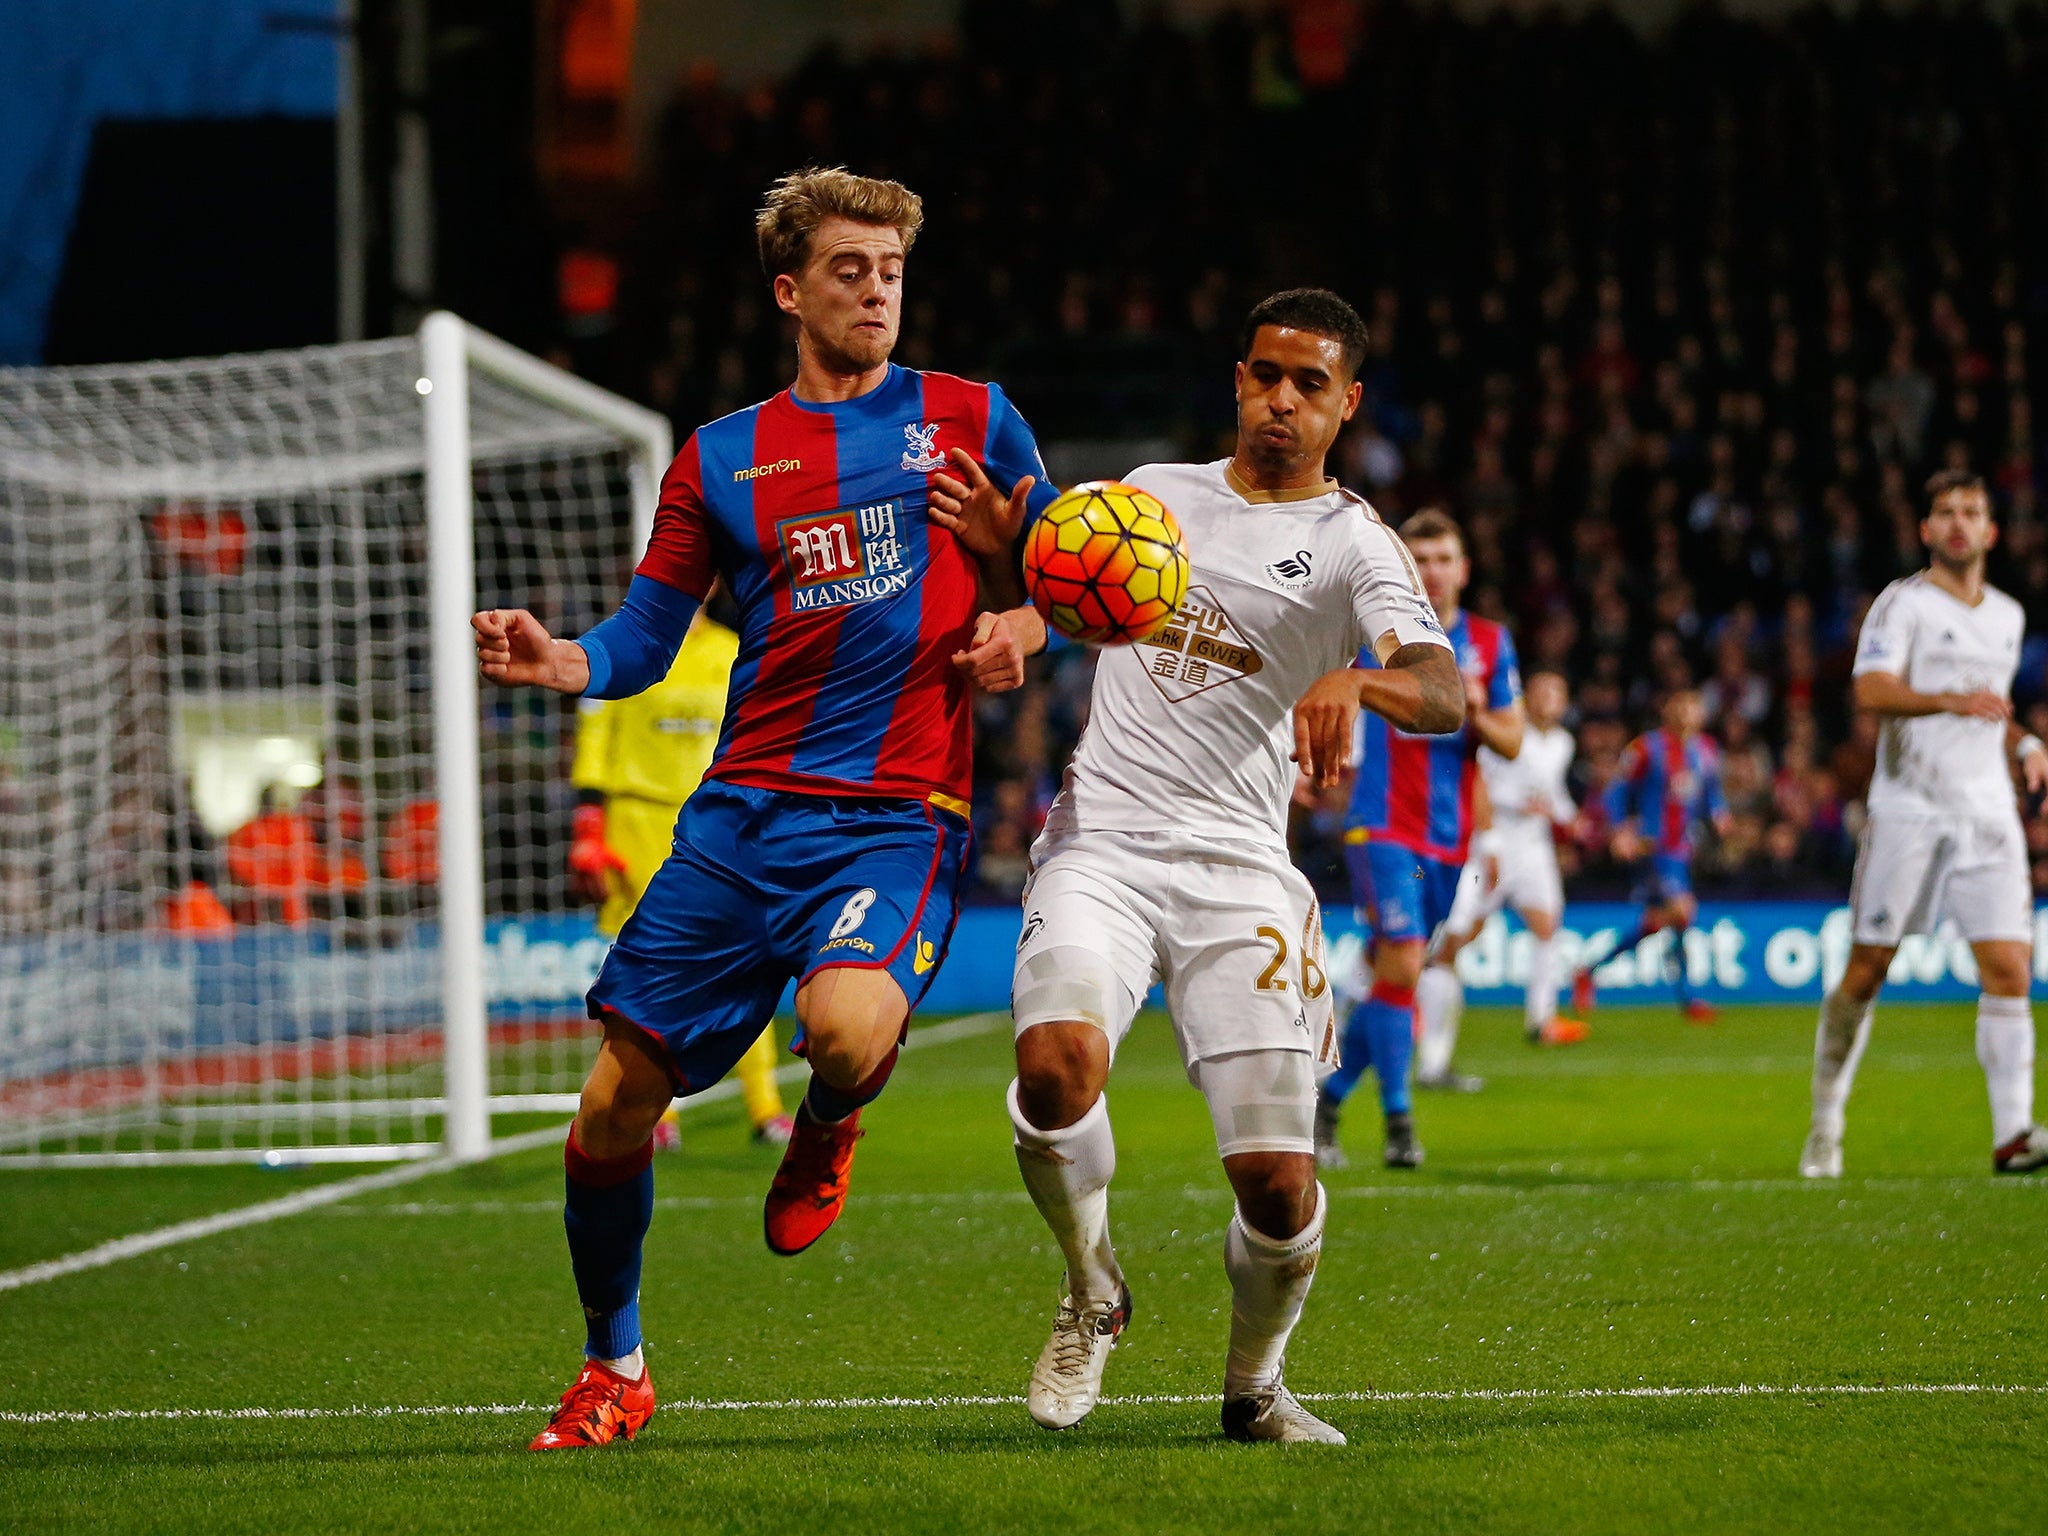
(1313, 981)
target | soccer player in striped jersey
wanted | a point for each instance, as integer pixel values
(1670, 782)
(870, 553)
(1513, 865)
(1406, 837)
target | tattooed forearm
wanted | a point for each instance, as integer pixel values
(1440, 705)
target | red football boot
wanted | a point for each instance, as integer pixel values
(1582, 992)
(597, 1409)
(810, 1187)
(1700, 1012)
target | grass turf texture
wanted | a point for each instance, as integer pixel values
(1618, 1216)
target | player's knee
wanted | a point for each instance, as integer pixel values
(1398, 965)
(1864, 972)
(1542, 926)
(1276, 1191)
(1061, 1069)
(625, 1094)
(852, 1019)
(2004, 970)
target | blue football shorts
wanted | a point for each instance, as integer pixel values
(763, 888)
(1665, 877)
(1401, 895)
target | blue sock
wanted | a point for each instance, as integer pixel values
(1674, 964)
(1389, 1017)
(606, 1213)
(829, 1105)
(1356, 1056)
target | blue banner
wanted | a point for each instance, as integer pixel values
(1738, 952)
(168, 995)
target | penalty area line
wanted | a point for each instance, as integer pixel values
(1014, 1400)
(138, 1243)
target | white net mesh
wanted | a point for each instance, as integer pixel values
(218, 880)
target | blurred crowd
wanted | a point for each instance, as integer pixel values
(1676, 327)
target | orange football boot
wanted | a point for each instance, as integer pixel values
(597, 1409)
(1560, 1031)
(810, 1187)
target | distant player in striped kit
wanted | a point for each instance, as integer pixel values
(1406, 836)
(1670, 782)
(1513, 865)
(871, 555)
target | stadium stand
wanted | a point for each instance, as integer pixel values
(1675, 325)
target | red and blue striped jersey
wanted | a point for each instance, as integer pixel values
(1416, 791)
(1667, 786)
(851, 602)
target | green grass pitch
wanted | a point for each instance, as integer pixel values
(1598, 1223)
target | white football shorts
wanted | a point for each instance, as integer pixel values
(1912, 871)
(1524, 878)
(1232, 930)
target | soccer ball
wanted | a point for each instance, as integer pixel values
(1105, 564)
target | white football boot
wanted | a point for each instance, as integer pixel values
(1067, 1380)
(1821, 1157)
(1274, 1413)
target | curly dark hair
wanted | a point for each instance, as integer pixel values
(1310, 309)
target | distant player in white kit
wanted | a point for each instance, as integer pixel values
(1165, 859)
(1513, 866)
(1936, 662)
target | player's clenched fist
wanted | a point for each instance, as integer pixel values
(1323, 722)
(514, 648)
(994, 659)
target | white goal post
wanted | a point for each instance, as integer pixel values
(278, 881)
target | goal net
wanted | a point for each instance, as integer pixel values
(276, 880)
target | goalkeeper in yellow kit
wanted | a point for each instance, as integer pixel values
(637, 760)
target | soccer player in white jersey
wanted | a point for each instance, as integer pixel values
(1513, 865)
(1165, 859)
(1935, 661)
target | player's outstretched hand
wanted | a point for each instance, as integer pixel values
(1324, 719)
(994, 659)
(1981, 705)
(514, 649)
(985, 520)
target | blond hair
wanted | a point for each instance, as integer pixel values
(799, 202)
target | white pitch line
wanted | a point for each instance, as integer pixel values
(1007, 1400)
(138, 1243)
(1961, 1184)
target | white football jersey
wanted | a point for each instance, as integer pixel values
(1934, 642)
(1535, 775)
(1192, 731)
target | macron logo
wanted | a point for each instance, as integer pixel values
(777, 467)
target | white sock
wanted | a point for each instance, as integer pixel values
(1541, 991)
(1269, 1281)
(628, 1366)
(1068, 1173)
(1439, 1004)
(1838, 1043)
(2005, 1048)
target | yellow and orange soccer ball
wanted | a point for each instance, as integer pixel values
(1106, 564)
